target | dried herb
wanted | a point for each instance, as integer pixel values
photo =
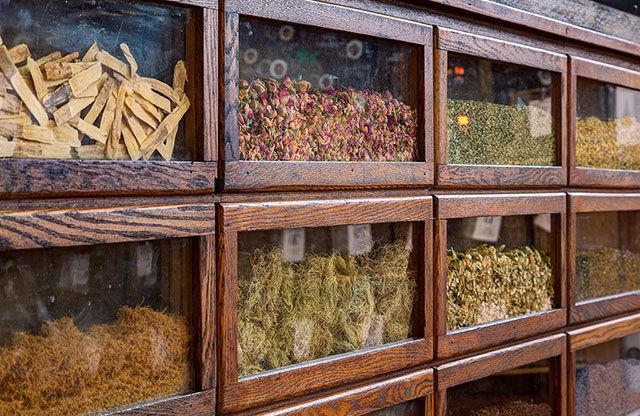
(611, 144)
(327, 304)
(482, 133)
(601, 388)
(515, 408)
(64, 371)
(606, 272)
(290, 121)
(488, 283)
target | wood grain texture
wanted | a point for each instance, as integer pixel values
(205, 314)
(75, 227)
(486, 176)
(480, 337)
(196, 404)
(230, 40)
(209, 61)
(441, 67)
(603, 332)
(324, 213)
(34, 178)
(440, 280)
(604, 307)
(512, 16)
(281, 175)
(605, 178)
(328, 372)
(603, 72)
(481, 205)
(571, 382)
(333, 17)
(362, 400)
(500, 50)
(483, 365)
(602, 202)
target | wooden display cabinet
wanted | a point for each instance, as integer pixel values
(500, 117)
(603, 368)
(119, 298)
(303, 301)
(405, 394)
(499, 269)
(528, 378)
(603, 123)
(337, 98)
(96, 100)
(602, 268)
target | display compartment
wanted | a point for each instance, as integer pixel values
(406, 394)
(319, 293)
(499, 261)
(500, 113)
(603, 260)
(604, 368)
(107, 98)
(334, 98)
(605, 131)
(520, 380)
(103, 309)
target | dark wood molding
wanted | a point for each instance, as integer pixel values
(195, 404)
(603, 332)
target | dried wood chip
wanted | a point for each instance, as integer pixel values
(55, 71)
(58, 97)
(166, 127)
(53, 56)
(6, 147)
(162, 88)
(67, 134)
(133, 64)
(31, 150)
(20, 86)
(90, 130)
(91, 152)
(37, 78)
(166, 149)
(71, 109)
(116, 128)
(19, 53)
(137, 129)
(101, 100)
(113, 63)
(10, 103)
(90, 56)
(133, 148)
(141, 113)
(10, 128)
(37, 134)
(108, 115)
(179, 78)
(154, 98)
(86, 78)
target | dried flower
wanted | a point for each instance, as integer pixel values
(488, 283)
(611, 144)
(481, 133)
(289, 121)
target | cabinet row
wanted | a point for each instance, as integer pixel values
(311, 95)
(292, 297)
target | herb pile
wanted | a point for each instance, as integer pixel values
(289, 120)
(496, 134)
(606, 272)
(324, 305)
(611, 144)
(488, 283)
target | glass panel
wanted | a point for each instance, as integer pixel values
(313, 292)
(498, 268)
(499, 113)
(608, 378)
(67, 84)
(88, 329)
(607, 254)
(412, 408)
(309, 94)
(524, 391)
(607, 126)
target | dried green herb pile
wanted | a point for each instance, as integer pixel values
(62, 370)
(327, 304)
(488, 283)
(611, 144)
(606, 272)
(496, 134)
(516, 408)
(604, 389)
(290, 121)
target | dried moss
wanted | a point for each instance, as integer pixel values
(488, 283)
(327, 304)
(62, 370)
(611, 144)
(606, 272)
(499, 134)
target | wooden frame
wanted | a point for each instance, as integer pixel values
(281, 384)
(581, 202)
(608, 74)
(470, 369)
(363, 398)
(590, 336)
(465, 340)
(35, 178)
(38, 228)
(242, 175)
(488, 176)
